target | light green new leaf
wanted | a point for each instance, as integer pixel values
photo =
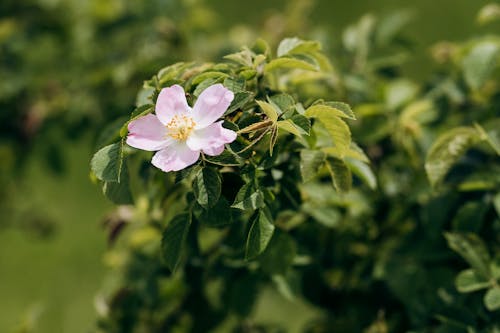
(248, 198)
(341, 174)
(289, 63)
(310, 162)
(269, 110)
(480, 62)
(344, 108)
(468, 280)
(289, 126)
(472, 249)
(492, 299)
(363, 171)
(174, 239)
(330, 109)
(107, 163)
(207, 187)
(295, 45)
(260, 234)
(337, 129)
(446, 151)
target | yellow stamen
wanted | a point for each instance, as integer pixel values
(180, 127)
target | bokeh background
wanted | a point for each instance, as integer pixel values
(68, 66)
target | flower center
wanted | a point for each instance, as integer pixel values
(180, 127)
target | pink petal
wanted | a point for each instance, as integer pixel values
(211, 105)
(175, 157)
(147, 133)
(171, 101)
(214, 151)
(211, 139)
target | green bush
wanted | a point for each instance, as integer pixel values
(397, 232)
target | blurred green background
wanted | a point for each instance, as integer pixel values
(68, 66)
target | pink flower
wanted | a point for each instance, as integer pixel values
(179, 133)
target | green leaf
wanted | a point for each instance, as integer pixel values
(218, 215)
(496, 203)
(295, 45)
(260, 234)
(310, 162)
(472, 249)
(208, 75)
(332, 109)
(339, 132)
(468, 281)
(492, 299)
(226, 158)
(479, 63)
(239, 101)
(248, 198)
(447, 150)
(119, 192)
(174, 239)
(269, 110)
(390, 26)
(235, 84)
(243, 57)
(341, 175)
(302, 122)
(363, 171)
(289, 63)
(344, 108)
(207, 187)
(107, 163)
(288, 126)
(284, 102)
(279, 254)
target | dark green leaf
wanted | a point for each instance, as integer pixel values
(217, 216)
(248, 198)
(362, 171)
(226, 158)
(174, 239)
(341, 175)
(446, 151)
(260, 234)
(239, 101)
(279, 254)
(119, 192)
(310, 162)
(207, 187)
(472, 249)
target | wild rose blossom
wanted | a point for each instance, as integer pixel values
(178, 132)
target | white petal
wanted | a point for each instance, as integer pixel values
(211, 105)
(171, 101)
(175, 157)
